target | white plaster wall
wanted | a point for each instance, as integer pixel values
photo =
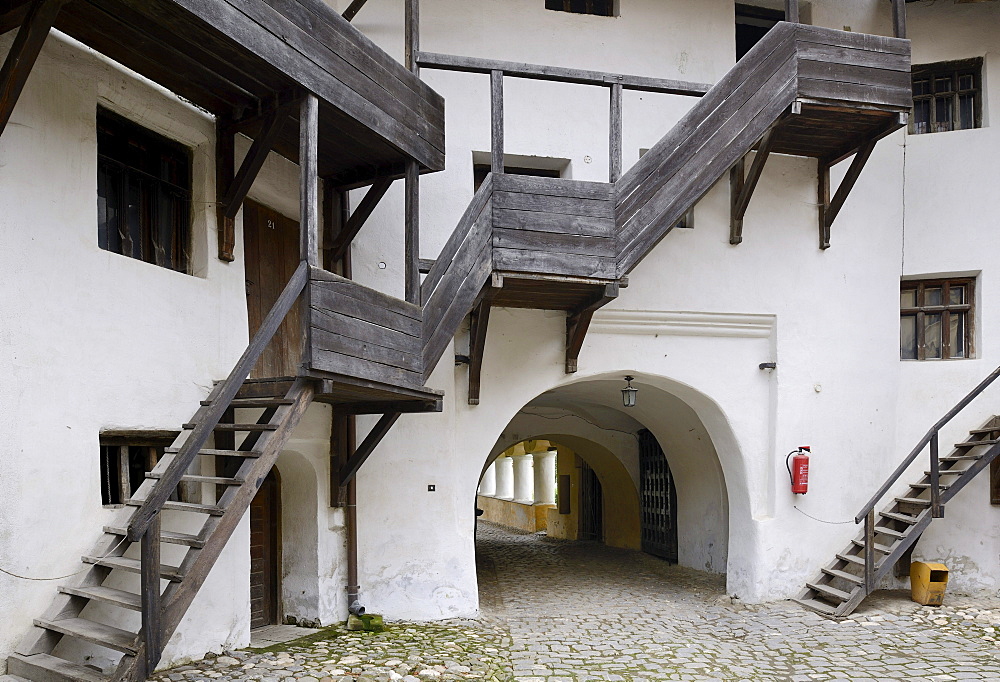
(93, 340)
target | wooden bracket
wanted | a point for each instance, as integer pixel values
(830, 208)
(578, 322)
(238, 185)
(477, 346)
(353, 9)
(24, 52)
(367, 446)
(741, 188)
(357, 220)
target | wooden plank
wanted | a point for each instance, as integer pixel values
(458, 236)
(411, 230)
(615, 134)
(858, 41)
(23, 52)
(411, 27)
(855, 92)
(848, 55)
(328, 281)
(373, 196)
(496, 122)
(552, 241)
(341, 302)
(353, 9)
(553, 204)
(811, 69)
(338, 363)
(558, 73)
(558, 223)
(367, 446)
(150, 595)
(546, 262)
(558, 187)
(361, 330)
(309, 180)
(324, 340)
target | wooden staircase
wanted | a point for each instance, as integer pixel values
(890, 534)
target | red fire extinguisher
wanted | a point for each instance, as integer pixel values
(798, 469)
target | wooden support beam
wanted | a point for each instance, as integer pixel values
(343, 240)
(412, 30)
(24, 51)
(309, 180)
(742, 189)
(353, 9)
(899, 18)
(477, 346)
(225, 171)
(615, 142)
(792, 11)
(367, 446)
(152, 607)
(830, 208)
(412, 232)
(425, 265)
(578, 322)
(496, 121)
(253, 161)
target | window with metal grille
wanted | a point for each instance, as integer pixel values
(602, 8)
(947, 96)
(936, 319)
(143, 193)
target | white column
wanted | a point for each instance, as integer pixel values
(524, 479)
(488, 485)
(545, 477)
(505, 478)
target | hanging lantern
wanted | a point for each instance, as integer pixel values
(628, 393)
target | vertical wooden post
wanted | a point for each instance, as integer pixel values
(412, 232)
(412, 29)
(615, 143)
(899, 18)
(870, 552)
(823, 199)
(309, 180)
(737, 181)
(792, 11)
(225, 172)
(496, 121)
(937, 511)
(150, 587)
(124, 484)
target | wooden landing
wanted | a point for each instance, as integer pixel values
(349, 395)
(235, 57)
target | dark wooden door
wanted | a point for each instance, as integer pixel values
(265, 519)
(658, 499)
(591, 505)
(271, 244)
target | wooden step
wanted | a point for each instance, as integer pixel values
(948, 472)
(210, 509)
(852, 559)
(844, 575)
(171, 573)
(958, 458)
(914, 500)
(108, 595)
(817, 606)
(882, 549)
(976, 432)
(925, 486)
(890, 532)
(192, 478)
(95, 633)
(218, 453)
(167, 536)
(976, 443)
(239, 427)
(898, 517)
(251, 403)
(47, 668)
(828, 591)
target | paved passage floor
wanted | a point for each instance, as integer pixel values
(582, 611)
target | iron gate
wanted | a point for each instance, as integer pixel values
(658, 500)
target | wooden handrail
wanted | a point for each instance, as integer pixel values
(929, 437)
(220, 398)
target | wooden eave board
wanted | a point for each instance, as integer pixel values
(542, 294)
(231, 57)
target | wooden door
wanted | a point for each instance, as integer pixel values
(271, 244)
(591, 505)
(265, 524)
(658, 499)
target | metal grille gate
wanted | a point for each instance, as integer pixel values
(591, 505)
(658, 500)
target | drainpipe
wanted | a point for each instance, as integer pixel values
(353, 604)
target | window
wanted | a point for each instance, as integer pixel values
(947, 96)
(124, 463)
(481, 170)
(602, 8)
(936, 319)
(143, 193)
(752, 24)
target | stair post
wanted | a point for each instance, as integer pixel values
(937, 511)
(150, 587)
(870, 552)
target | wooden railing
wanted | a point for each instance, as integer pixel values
(867, 513)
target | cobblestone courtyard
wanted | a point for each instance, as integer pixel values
(562, 611)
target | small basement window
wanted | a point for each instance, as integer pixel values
(601, 8)
(143, 193)
(752, 24)
(947, 96)
(126, 458)
(936, 319)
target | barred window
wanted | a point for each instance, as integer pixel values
(602, 8)
(936, 319)
(143, 193)
(947, 96)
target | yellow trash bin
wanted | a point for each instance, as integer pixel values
(928, 582)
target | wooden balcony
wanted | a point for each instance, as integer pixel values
(238, 58)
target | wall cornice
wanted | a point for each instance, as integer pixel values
(677, 323)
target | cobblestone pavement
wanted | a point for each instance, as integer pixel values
(556, 611)
(581, 611)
